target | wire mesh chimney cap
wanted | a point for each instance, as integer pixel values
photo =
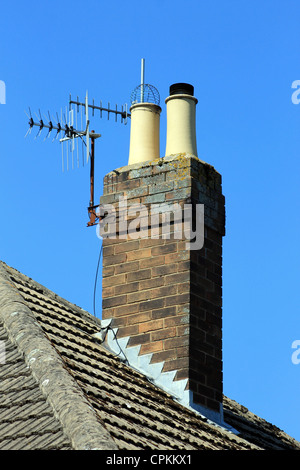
(145, 93)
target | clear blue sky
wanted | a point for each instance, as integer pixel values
(241, 57)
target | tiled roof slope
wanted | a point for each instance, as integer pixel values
(26, 419)
(61, 389)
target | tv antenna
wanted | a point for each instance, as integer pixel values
(67, 131)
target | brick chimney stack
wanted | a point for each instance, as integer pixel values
(162, 298)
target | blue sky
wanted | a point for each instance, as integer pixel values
(242, 58)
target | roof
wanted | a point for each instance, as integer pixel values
(62, 389)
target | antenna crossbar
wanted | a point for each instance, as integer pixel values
(117, 112)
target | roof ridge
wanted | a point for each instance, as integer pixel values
(242, 413)
(84, 430)
(47, 292)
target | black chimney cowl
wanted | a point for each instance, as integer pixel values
(182, 89)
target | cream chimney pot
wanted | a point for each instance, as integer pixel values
(144, 132)
(181, 120)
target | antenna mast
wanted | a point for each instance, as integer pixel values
(142, 79)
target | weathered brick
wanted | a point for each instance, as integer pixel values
(153, 261)
(163, 249)
(112, 241)
(176, 320)
(140, 172)
(125, 310)
(108, 250)
(139, 339)
(138, 296)
(181, 374)
(175, 364)
(163, 356)
(164, 312)
(136, 192)
(151, 347)
(114, 301)
(184, 309)
(151, 326)
(163, 334)
(183, 266)
(152, 304)
(120, 321)
(162, 270)
(139, 254)
(153, 198)
(177, 256)
(139, 318)
(131, 266)
(152, 179)
(161, 187)
(127, 246)
(183, 288)
(108, 271)
(108, 291)
(114, 259)
(151, 283)
(128, 287)
(145, 243)
(138, 275)
(127, 331)
(129, 184)
(183, 330)
(108, 313)
(179, 277)
(177, 194)
(164, 291)
(177, 299)
(176, 342)
(183, 351)
(113, 280)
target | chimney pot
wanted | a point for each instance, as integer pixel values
(144, 132)
(181, 120)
